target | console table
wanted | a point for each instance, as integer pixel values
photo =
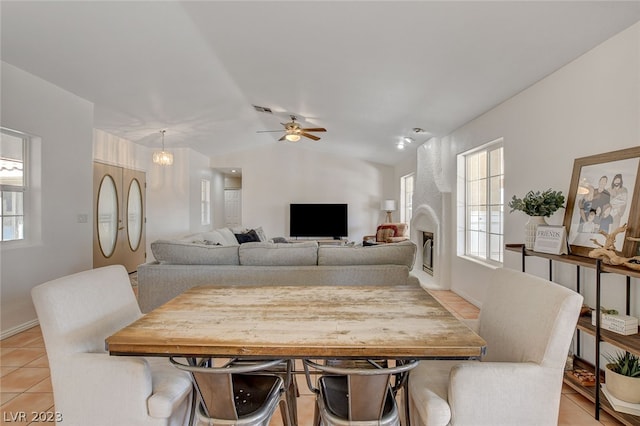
(628, 343)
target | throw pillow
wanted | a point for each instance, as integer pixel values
(386, 231)
(261, 234)
(229, 237)
(248, 237)
(214, 237)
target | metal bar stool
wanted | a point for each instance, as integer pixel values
(288, 408)
(359, 394)
(241, 395)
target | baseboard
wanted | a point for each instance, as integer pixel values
(18, 329)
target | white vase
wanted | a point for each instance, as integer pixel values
(530, 230)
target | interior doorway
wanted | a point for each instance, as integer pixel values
(119, 234)
(232, 207)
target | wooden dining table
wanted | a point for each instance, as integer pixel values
(358, 321)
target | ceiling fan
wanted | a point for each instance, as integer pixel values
(293, 131)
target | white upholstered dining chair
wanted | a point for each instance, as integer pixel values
(90, 387)
(528, 323)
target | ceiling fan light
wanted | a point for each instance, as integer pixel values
(292, 137)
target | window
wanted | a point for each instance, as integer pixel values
(480, 196)
(205, 197)
(13, 183)
(406, 198)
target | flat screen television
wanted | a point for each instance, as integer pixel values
(318, 220)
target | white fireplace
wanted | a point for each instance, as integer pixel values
(426, 233)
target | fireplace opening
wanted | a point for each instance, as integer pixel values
(428, 250)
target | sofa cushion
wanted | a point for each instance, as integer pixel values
(278, 254)
(185, 253)
(402, 253)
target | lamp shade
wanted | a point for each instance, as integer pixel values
(388, 205)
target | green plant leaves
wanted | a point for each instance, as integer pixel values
(624, 363)
(538, 203)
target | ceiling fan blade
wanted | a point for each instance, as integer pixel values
(268, 131)
(314, 129)
(310, 136)
(282, 138)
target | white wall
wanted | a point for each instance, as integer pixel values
(590, 106)
(63, 123)
(279, 174)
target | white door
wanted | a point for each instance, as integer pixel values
(119, 202)
(233, 207)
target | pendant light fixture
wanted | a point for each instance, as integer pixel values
(163, 157)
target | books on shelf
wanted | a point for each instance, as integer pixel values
(621, 324)
(620, 405)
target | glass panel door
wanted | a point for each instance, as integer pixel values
(119, 232)
(134, 215)
(107, 218)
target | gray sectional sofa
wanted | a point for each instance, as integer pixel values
(182, 264)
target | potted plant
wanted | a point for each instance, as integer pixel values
(537, 205)
(622, 376)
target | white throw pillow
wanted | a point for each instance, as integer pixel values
(214, 237)
(261, 234)
(228, 236)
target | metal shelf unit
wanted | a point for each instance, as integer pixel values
(627, 343)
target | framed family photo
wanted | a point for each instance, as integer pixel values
(604, 195)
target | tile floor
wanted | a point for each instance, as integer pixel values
(25, 385)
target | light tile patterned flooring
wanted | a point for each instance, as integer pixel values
(25, 385)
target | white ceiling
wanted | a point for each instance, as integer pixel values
(368, 71)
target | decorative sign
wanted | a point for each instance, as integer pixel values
(551, 239)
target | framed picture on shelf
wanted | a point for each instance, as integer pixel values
(603, 196)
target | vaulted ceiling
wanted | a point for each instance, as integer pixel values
(367, 71)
